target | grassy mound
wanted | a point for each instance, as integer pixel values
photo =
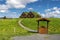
(10, 27)
(54, 25)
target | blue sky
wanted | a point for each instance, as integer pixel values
(14, 8)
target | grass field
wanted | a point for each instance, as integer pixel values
(54, 25)
(10, 27)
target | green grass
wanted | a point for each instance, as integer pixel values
(54, 25)
(30, 22)
(7, 27)
(10, 28)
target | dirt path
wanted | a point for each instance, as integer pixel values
(37, 37)
(28, 29)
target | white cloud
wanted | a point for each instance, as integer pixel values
(12, 15)
(48, 10)
(43, 15)
(3, 8)
(30, 8)
(15, 4)
(54, 12)
(19, 3)
(55, 8)
(3, 11)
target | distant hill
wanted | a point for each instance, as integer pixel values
(30, 15)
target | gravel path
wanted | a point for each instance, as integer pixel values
(37, 37)
(28, 29)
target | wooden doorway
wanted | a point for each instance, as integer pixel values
(42, 29)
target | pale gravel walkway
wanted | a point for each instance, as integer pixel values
(28, 29)
(37, 37)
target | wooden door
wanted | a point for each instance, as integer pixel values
(43, 30)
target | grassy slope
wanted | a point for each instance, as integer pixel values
(7, 27)
(54, 25)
